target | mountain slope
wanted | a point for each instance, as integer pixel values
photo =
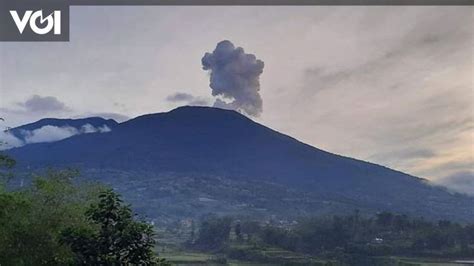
(208, 142)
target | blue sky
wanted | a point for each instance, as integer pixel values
(391, 85)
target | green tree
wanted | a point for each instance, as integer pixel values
(6, 162)
(31, 219)
(193, 231)
(238, 231)
(214, 233)
(384, 219)
(250, 228)
(118, 240)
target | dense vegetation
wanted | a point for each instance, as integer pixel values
(384, 234)
(352, 239)
(58, 222)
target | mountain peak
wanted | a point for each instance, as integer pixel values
(191, 118)
(204, 109)
(216, 143)
(188, 111)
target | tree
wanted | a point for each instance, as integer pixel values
(31, 219)
(238, 231)
(384, 219)
(6, 162)
(250, 228)
(214, 233)
(56, 221)
(469, 233)
(118, 240)
(401, 222)
(193, 231)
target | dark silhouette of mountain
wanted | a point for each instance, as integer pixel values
(78, 124)
(251, 164)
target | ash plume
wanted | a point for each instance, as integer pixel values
(234, 78)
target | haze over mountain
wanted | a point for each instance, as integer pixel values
(194, 160)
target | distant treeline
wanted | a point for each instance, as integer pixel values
(341, 238)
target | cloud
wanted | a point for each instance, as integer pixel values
(400, 98)
(47, 133)
(42, 104)
(104, 129)
(405, 154)
(199, 102)
(180, 97)
(187, 99)
(461, 182)
(32, 108)
(8, 140)
(52, 133)
(88, 128)
(235, 75)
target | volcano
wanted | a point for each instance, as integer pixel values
(194, 160)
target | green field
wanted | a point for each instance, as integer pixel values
(275, 255)
(283, 257)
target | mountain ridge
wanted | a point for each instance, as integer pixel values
(211, 142)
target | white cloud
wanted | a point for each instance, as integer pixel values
(461, 182)
(47, 134)
(104, 129)
(88, 128)
(8, 141)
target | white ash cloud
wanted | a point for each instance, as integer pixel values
(235, 76)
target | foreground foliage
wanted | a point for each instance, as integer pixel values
(55, 221)
(214, 233)
(119, 239)
(31, 220)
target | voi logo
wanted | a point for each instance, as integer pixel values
(45, 25)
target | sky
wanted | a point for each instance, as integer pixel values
(390, 85)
